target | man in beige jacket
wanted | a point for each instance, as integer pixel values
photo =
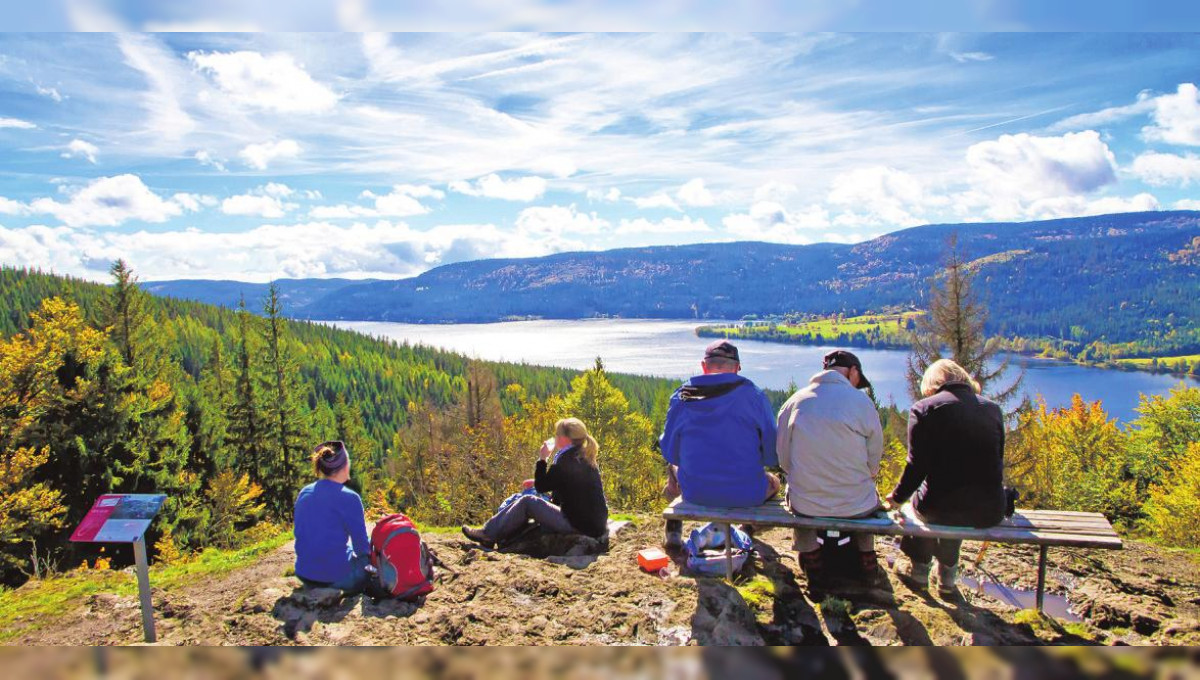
(830, 442)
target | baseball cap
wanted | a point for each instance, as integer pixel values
(722, 349)
(846, 359)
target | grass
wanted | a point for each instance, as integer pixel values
(758, 592)
(1163, 362)
(835, 607)
(38, 602)
(891, 329)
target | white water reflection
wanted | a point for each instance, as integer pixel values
(671, 349)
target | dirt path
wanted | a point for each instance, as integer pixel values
(1142, 595)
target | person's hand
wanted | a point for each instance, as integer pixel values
(544, 452)
(889, 504)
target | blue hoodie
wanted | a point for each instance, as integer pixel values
(720, 431)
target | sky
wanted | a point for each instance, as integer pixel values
(257, 156)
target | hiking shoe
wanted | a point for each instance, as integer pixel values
(914, 574)
(872, 575)
(813, 567)
(478, 536)
(948, 582)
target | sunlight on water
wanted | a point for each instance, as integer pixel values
(671, 349)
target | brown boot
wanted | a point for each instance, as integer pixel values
(813, 567)
(872, 575)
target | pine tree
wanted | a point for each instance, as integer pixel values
(247, 426)
(953, 328)
(285, 419)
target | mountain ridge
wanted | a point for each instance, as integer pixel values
(1045, 278)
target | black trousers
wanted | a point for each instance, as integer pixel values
(925, 549)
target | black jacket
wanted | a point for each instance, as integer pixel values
(955, 470)
(575, 486)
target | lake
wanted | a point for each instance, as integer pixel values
(671, 349)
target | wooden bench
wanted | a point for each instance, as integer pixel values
(1043, 528)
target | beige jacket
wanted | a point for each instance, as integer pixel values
(830, 443)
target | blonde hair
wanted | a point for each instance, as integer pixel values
(945, 371)
(576, 431)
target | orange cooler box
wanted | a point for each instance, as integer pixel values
(652, 559)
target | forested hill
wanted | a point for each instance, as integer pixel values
(1115, 277)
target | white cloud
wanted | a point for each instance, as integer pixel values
(694, 193)
(1113, 114)
(194, 202)
(259, 156)
(1161, 169)
(1081, 206)
(776, 191)
(109, 201)
(1042, 167)
(203, 157)
(50, 92)
(342, 211)
(11, 207)
(880, 196)
(656, 201)
(81, 149)
(556, 220)
(264, 201)
(667, 225)
(522, 189)
(1187, 204)
(1176, 117)
(963, 57)
(311, 249)
(275, 82)
(165, 117)
(403, 200)
(16, 123)
(612, 195)
(770, 221)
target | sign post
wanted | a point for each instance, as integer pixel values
(124, 518)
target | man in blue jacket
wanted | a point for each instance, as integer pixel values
(719, 435)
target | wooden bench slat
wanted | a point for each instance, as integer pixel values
(1052, 528)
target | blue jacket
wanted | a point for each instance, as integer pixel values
(330, 531)
(720, 431)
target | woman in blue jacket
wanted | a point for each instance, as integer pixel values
(332, 548)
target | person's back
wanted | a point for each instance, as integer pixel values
(720, 433)
(332, 547)
(959, 438)
(830, 444)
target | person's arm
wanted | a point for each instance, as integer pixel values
(783, 436)
(354, 520)
(668, 442)
(915, 469)
(766, 432)
(547, 478)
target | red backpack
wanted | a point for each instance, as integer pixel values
(404, 564)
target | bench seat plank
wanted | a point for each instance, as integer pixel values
(1036, 527)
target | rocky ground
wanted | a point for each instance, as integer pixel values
(1142, 595)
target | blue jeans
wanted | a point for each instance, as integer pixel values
(511, 520)
(353, 583)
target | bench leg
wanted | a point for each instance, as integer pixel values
(1041, 578)
(729, 552)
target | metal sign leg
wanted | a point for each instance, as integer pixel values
(1041, 578)
(143, 577)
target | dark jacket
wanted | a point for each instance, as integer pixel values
(575, 486)
(955, 470)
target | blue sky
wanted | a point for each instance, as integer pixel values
(257, 156)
